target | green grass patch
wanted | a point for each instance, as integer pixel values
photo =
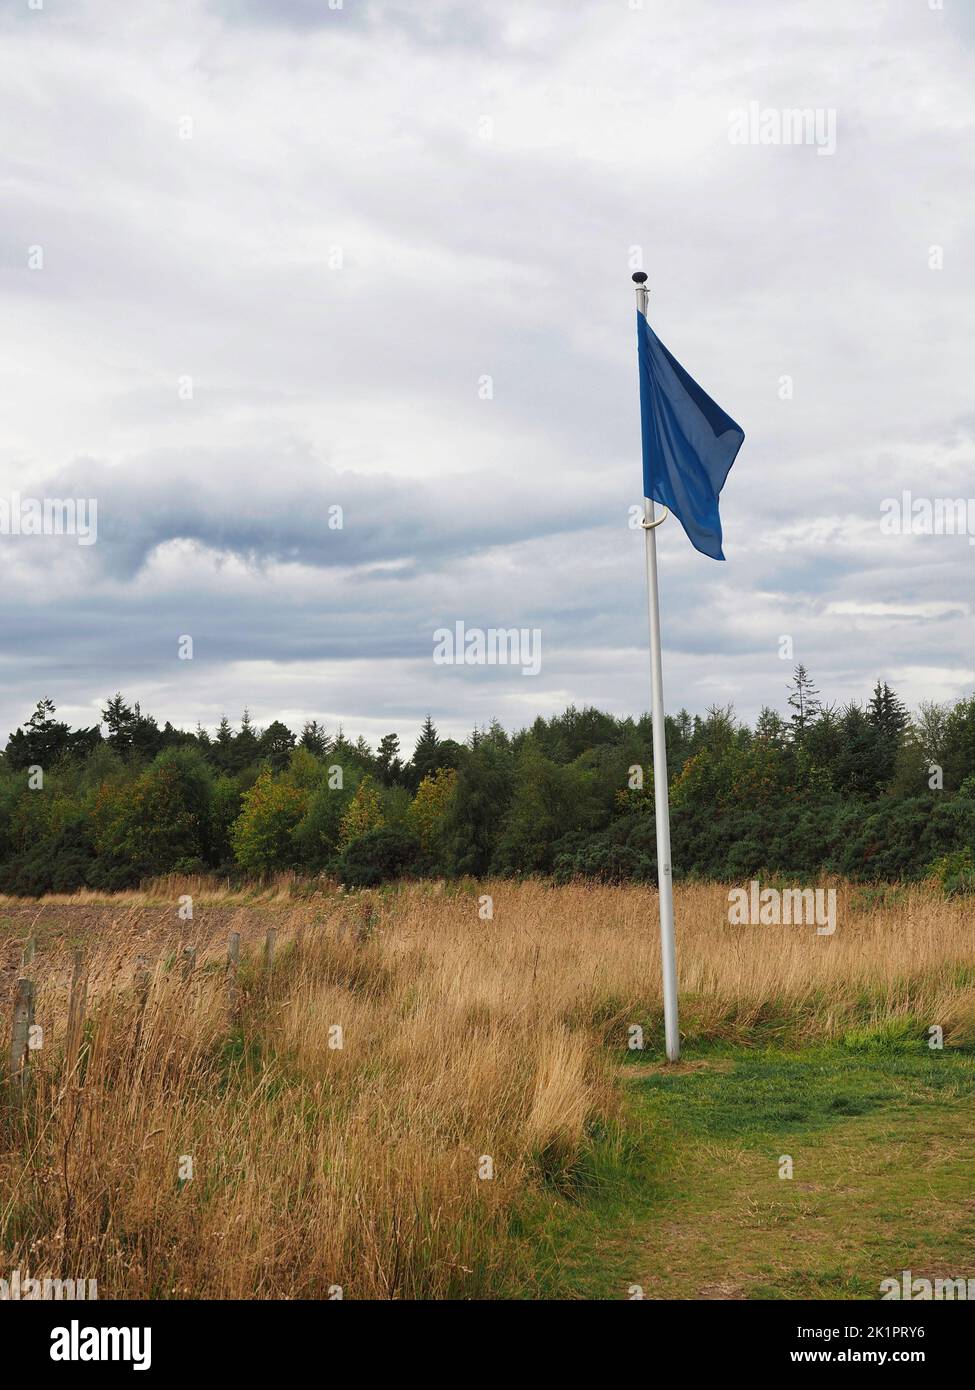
(687, 1202)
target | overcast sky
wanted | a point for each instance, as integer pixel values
(257, 258)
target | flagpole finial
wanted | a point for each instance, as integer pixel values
(640, 280)
(639, 277)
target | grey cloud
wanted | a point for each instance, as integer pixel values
(464, 257)
(274, 507)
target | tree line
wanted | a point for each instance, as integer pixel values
(868, 790)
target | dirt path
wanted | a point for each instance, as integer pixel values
(883, 1177)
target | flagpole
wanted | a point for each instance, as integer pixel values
(668, 950)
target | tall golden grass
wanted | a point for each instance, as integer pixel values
(361, 1167)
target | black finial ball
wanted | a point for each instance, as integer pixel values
(640, 277)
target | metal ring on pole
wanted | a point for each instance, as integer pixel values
(649, 525)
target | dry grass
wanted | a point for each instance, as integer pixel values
(317, 1166)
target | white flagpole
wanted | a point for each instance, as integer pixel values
(668, 950)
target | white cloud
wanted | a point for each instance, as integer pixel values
(465, 257)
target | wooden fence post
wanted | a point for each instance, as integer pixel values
(233, 960)
(189, 961)
(365, 921)
(140, 980)
(30, 947)
(269, 941)
(22, 1023)
(76, 1014)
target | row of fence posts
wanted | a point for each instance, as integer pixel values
(18, 1062)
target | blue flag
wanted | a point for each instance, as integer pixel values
(689, 443)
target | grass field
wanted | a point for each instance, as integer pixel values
(483, 1129)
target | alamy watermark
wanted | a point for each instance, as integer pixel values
(493, 646)
(77, 1343)
(766, 125)
(957, 1287)
(756, 906)
(50, 516)
(24, 1288)
(908, 515)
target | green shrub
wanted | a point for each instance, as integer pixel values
(954, 873)
(378, 856)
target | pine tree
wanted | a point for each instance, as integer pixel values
(276, 744)
(887, 713)
(223, 745)
(888, 718)
(45, 739)
(121, 721)
(770, 726)
(425, 755)
(246, 743)
(314, 738)
(804, 700)
(388, 763)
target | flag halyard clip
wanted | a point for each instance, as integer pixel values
(649, 525)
